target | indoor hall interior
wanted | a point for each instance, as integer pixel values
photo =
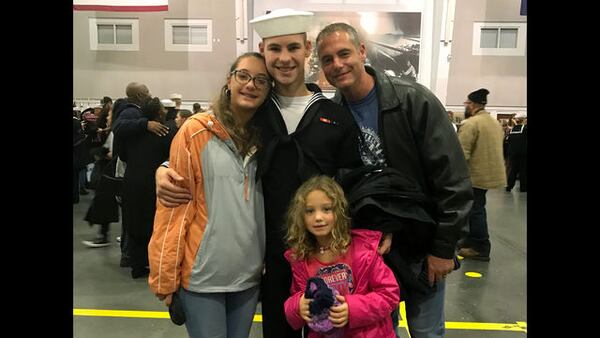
(455, 47)
(483, 299)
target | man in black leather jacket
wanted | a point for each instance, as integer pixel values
(406, 128)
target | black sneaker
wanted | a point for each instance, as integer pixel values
(97, 243)
(124, 263)
(139, 273)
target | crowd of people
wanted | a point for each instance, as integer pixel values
(271, 169)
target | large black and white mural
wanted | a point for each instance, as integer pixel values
(393, 42)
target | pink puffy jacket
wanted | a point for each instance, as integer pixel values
(375, 296)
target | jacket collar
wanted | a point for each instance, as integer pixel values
(317, 95)
(481, 112)
(209, 122)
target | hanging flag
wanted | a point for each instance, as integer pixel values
(121, 5)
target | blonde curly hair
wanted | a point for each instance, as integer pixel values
(302, 242)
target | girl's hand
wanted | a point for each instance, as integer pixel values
(303, 310)
(339, 314)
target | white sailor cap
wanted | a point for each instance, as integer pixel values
(282, 21)
(176, 96)
(167, 103)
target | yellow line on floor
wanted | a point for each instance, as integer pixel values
(487, 326)
(120, 313)
(517, 326)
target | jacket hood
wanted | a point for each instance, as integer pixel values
(209, 122)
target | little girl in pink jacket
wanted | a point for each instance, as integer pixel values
(322, 245)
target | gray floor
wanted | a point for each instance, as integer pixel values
(489, 306)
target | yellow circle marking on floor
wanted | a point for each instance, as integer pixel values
(473, 274)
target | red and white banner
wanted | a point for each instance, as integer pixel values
(121, 5)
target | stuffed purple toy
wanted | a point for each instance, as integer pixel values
(323, 297)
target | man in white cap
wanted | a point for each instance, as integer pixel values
(175, 97)
(303, 134)
(171, 107)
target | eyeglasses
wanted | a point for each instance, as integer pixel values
(242, 77)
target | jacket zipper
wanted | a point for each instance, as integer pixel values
(246, 194)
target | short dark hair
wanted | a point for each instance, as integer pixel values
(151, 109)
(185, 113)
(339, 27)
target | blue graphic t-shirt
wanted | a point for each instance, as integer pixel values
(366, 114)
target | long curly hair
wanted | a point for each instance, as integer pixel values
(302, 242)
(246, 136)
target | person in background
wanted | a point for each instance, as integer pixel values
(102, 122)
(209, 252)
(89, 122)
(175, 97)
(182, 115)
(131, 121)
(451, 118)
(517, 155)
(196, 108)
(130, 124)
(104, 208)
(322, 245)
(118, 106)
(481, 138)
(79, 158)
(171, 110)
(142, 154)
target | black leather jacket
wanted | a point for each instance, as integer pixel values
(419, 141)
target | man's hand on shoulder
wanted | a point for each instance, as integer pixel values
(157, 128)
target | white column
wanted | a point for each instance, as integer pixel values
(241, 27)
(445, 54)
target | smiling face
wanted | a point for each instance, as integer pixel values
(342, 62)
(319, 217)
(247, 96)
(285, 56)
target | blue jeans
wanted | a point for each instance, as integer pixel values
(478, 238)
(396, 321)
(82, 178)
(425, 313)
(219, 315)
